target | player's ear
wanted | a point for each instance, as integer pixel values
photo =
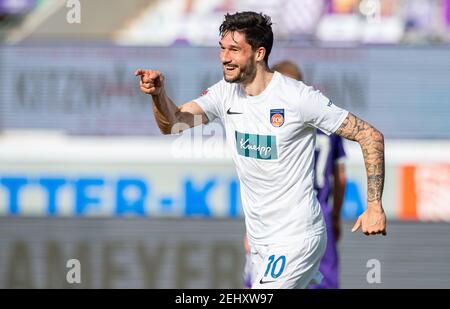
(260, 54)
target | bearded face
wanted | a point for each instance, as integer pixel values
(234, 73)
(238, 58)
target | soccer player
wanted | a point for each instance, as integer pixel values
(270, 122)
(329, 181)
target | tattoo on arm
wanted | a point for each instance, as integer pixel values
(372, 144)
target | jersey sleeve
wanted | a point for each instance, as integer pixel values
(319, 111)
(211, 101)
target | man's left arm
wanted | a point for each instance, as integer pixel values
(373, 220)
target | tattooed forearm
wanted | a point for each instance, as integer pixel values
(372, 144)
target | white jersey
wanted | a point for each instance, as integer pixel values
(272, 137)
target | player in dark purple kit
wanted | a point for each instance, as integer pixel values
(330, 181)
(329, 185)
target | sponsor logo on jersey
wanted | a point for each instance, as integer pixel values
(204, 93)
(256, 146)
(277, 117)
(330, 103)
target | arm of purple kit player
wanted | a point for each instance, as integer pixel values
(338, 197)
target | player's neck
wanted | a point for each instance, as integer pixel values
(260, 82)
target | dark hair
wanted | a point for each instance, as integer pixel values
(257, 29)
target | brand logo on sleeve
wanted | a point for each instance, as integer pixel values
(256, 146)
(277, 117)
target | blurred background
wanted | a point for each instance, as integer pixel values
(85, 173)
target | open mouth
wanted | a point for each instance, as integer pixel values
(230, 69)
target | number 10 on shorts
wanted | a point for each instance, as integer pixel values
(275, 266)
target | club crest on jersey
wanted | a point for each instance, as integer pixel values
(277, 117)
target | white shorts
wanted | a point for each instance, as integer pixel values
(288, 266)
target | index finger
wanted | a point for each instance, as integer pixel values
(139, 72)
